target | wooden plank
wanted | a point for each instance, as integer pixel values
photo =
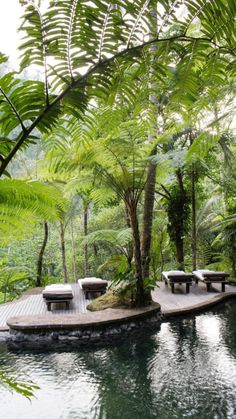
(198, 294)
(35, 305)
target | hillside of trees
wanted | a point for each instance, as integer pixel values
(117, 159)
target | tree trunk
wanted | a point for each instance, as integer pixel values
(63, 252)
(194, 229)
(179, 245)
(132, 209)
(149, 199)
(86, 263)
(130, 247)
(149, 192)
(161, 253)
(73, 251)
(233, 264)
(179, 242)
(193, 205)
(40, 257)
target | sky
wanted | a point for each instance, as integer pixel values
(10, 11)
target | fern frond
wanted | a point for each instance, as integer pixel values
(201, 145)
(113, 237)
(23, 204)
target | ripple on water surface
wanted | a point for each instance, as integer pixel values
(186, 370)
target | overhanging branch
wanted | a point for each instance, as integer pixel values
(81, 79)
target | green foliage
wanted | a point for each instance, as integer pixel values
(10, 380)
(119, 265)
(114, 84)
(160, 249)
(225, 241)
(84, 50)
(20, 101)
(31, 201)
(12, 280)
(178, 212)
(201, 146)
(115, 238)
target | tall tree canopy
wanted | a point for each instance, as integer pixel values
(80, 45)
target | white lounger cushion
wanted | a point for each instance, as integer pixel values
(58, 287)
(91, 279)
(166, 274)
(199, 273)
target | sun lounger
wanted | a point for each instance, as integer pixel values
(93, 285)
(208, 277)
(57, 293)
(177, 277)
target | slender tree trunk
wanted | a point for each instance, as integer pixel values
(179, 242)
(5, 290)
(130, 249)
(194, 229)
(73, 251)
(40, 257)
(193, 205)
(149, 192)
(95, 249)
(86, 263)
(161, 253)
(149, 199)
(63, 252)
(132, 209)
(233, 264)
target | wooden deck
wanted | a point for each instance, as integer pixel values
(198, 297)
(33, 304)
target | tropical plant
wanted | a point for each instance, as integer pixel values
(26, 200)
(78, 47)
(91, 53)
(12, 281)
(118, 161)
(10, 380)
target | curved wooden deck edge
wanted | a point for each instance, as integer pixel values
(4, 329)
(83, 320)
(200, 306)
(108, 316)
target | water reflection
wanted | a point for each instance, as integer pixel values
(186, 370)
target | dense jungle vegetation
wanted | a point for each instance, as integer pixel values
(117, 143)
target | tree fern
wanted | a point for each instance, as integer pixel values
(79, 45)
(23, 204)
(118, 238)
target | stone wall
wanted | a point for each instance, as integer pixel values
(84, 336)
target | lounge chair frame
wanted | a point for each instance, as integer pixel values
(57, 295)
(209, 277)
(50, 300)
(94, 288)
(177, 278)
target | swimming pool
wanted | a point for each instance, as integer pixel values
(186, 370)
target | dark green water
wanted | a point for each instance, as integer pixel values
(186, 370)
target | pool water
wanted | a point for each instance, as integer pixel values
(186, 370)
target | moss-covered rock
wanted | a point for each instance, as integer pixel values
(108, 300)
